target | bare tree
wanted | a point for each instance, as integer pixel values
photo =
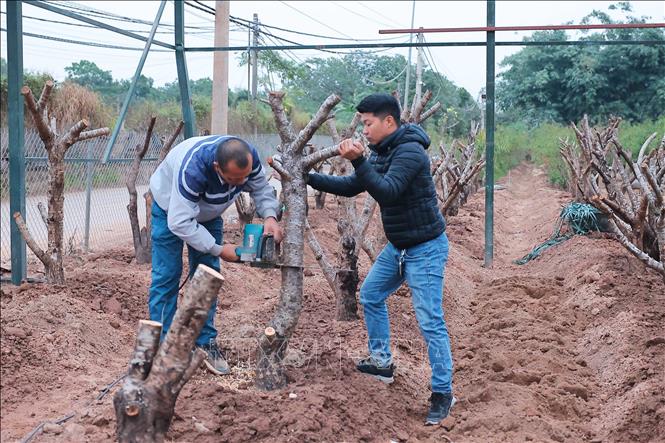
(457, 172)
(141, 236)
(342, 278)
(629, 192)
(291, 166)
(56, 146)
(145, 404)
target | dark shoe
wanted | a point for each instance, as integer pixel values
(440, 406)
(369, 366)
(215, 361)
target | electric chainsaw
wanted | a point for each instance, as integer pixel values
(258, 248)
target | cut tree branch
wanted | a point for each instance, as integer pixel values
(318, 156)
(166, 148)
(284, 128)
(315, 123)
(277, 166)
(30, 241)
(86, 135)
(430, 112)
(45, 132)
(43, 213)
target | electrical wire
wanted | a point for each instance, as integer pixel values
(79, 42)
(250, 25)
(84, 10)
(357, 14)
(317, 21)
(321, 36)
(82, 25)
(385, 82)
(380, 14)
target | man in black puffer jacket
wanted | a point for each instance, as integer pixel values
(397, 174)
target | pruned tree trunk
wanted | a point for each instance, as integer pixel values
(343, 278)
(56, 146)
(346, 277)
(629, 192)
(246, 209)
(292, 166)
(145, 404)
(141, 236)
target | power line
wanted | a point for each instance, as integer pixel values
(79, 42)
(358, 14)
(385, 82)
(378, 13)
(317, 35)
(312, 18)
(250, 25)
(91, 12)
(82, 25)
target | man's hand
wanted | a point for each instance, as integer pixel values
(270, 226)
(229, 253)
(351, 149)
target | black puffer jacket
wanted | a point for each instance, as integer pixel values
(397, 174)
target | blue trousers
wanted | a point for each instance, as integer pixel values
(422, 266)
(167, 270)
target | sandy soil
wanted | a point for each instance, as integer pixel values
(567, 348)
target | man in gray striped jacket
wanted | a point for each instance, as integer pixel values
(197, 181)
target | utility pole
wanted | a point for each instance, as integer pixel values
(220, 71)
(255, 69)
(408, 63)
(419, 72)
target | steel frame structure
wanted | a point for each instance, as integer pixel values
(15, 102)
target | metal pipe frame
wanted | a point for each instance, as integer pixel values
(15, 78)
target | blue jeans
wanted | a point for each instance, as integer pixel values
(167, 270)
(423, 268)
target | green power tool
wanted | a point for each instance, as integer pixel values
(258, 248)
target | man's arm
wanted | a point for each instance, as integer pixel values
(346, 186)
(405, 165)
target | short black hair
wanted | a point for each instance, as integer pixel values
(233, 149)
(381, 105)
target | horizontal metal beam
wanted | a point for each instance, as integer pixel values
(85, 160)
(425, 44)
(522, 28)
(74, 15)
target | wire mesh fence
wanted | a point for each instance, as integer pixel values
(96, 197)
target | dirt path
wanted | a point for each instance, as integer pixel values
(569, 347)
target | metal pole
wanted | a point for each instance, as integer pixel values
(255, 61)
(132, 87)
(427, 44)
(181, 63)
(255, 73)
(88, 196)
(525, 28)
(419, 72)
(16, 141)
(408, 63)
(489, 140)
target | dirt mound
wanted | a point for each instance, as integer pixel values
(569, 347)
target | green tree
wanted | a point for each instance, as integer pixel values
(562, 83)
(88, 74)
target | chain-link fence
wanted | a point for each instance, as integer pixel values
(96, 196)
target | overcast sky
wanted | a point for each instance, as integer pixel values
(344, 20)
